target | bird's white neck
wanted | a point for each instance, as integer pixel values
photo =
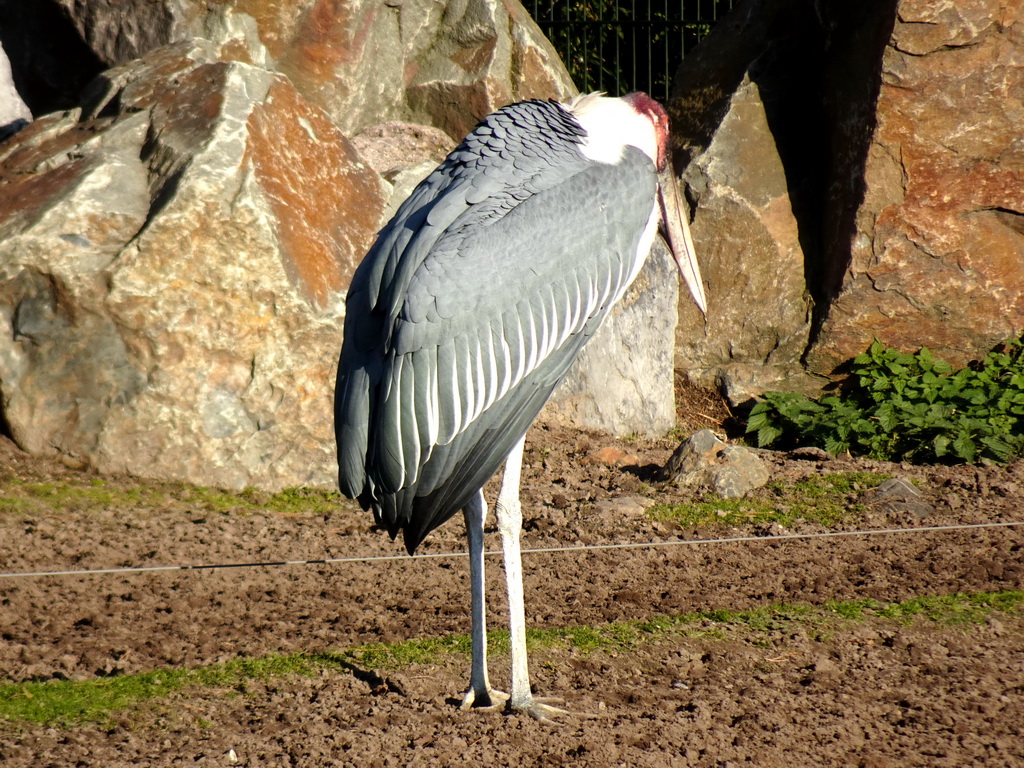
(611, 126)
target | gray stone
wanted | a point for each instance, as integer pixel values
(739, 472)
(622, 383)
(899, 495)
(703, 460)
(745, 228)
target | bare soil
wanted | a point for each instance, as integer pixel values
(869, 692)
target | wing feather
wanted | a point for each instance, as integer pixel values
(388, 458)
(448, 397)
(409, 417)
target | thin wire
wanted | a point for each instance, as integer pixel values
(533, 551)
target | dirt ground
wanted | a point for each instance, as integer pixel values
(867, 692)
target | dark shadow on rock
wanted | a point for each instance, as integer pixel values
(50, 62)
(856, 36)
(648, 473)
(817, 66)
(789, 74)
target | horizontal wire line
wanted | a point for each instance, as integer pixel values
(532, 551)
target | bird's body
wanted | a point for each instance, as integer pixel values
(472, 305)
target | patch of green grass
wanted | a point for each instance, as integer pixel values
(290, 501)
(816, 499)
(947, 609)
(83, 494)
(617, 636)
(63, 702)
(53, 496)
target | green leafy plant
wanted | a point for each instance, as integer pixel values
(910, 407)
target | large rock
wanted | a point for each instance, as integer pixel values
(14, 113)
(482, 55)
(173, 262)
(445, 64)
(117, 31)
(857, 169)
(936, 257)
(441, 64)
(753, 264)
(751, 164)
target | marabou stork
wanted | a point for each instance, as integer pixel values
(470, 308)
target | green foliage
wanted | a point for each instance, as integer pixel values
(910, 407)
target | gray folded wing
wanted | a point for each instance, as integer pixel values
(472, 306)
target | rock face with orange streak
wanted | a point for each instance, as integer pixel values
(858, 173)
(364, 62)
(938, 259)
(173, 263)
(442, 64)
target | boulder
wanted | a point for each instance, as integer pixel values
(445, 64)
(705, 461)
(173, 264)
(441, 64)
(175, 249)
(936, 257)
(481, 55)
(749, 246)
(857, 173)
(734, 136)
(117, 31)
(622, 382)
(403, 154)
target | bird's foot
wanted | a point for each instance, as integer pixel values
(490, 699)
(542, 709)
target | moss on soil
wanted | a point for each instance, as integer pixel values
(65, 702)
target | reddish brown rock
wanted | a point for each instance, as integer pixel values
(320, 208)
(172, 274)
(858, 173)
(363, 63)
(938, 256)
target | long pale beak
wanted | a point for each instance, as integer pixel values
(675, 218)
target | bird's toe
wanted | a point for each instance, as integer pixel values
(543, 709)
(490, 699)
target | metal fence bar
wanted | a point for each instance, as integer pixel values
(620, 47)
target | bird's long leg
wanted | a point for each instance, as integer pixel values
(480, 693)
(510, 522)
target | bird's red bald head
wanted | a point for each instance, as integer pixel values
(653, 111)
